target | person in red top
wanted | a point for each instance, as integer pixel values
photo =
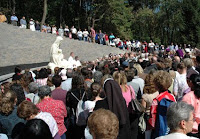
(146, 47)
(163, 81)
(55, 107)
(106, 38)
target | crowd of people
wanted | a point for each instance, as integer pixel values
(96, 98)
(91, 35)
(150, 92)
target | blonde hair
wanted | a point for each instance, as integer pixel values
(139, 68)
(120, 78)
(7, 102)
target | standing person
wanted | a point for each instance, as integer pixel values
(127, 90)
(80, 35)
(111, 38)
(92, 34)
(37, 26)
(74, 32)
(101, 35)
(66, 31)
(77, 93)
(163, 81)
(106, 39)
(85, 35)
(58, 93)
(193, 98)
(14, 20)
(55, 107)
(61, 31)
(171, 47)
(115, 102)
(180, 121)
(32, 24)
(151, 47)
(8, 112)
(33, 93)
(23, 22)
(2, 18)
(67, 84)
(180, 82)
(106, 121)
(28, 111)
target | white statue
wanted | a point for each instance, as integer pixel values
(56, 56)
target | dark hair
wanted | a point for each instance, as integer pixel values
(48, 71)
(18, 90)
(69, 73)
(18, 69)
(77, 81)
(42, 73)
(36, 129)
(57, 80)
(95, 90)
(26, 79)
(86, 73)
(196, 83)
(129, 74)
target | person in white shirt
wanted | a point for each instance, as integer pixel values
(180, 121)
(32, 24)
(71, 57)
(74, 32)
(67, 84)
(80, 35)
(128, 43)
(77, 61)
(138, 45)
(27, 110)
(151, 46)
(85, 35)
(54, 29)
(180, 82)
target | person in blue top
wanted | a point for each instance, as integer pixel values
(111, 37)
(8, 112)
(14, 19)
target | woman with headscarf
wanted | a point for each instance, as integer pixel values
(115, 102)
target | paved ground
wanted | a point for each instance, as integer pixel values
(31, 49)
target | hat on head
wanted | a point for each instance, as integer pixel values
(63, 74)
(187, 50)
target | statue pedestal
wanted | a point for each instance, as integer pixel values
(64, 64)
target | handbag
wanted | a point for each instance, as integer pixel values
(142, 123)
(135, 107)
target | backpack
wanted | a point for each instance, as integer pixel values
(161, 127)
(81, 116)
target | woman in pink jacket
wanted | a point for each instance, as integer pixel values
(193, 98)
